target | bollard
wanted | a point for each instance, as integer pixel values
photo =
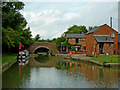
(70, 64)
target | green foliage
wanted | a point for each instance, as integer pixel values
(58, 41)
(37, 37)
(11, 16)
(50, 52)
(25, 38)
(14, 29)
(9, 37)
(73, 48)
(76, 44)
(73, 29)
(67, 44)
(76, 29)
(92, 27)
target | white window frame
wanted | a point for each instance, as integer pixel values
(112, 35)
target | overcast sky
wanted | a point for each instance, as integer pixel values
(51, 19)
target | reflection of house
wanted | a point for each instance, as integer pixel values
(78, 39)
(119, 43)
(101, 40)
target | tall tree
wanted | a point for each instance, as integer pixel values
(58, 41)
(76, 29)
(13, 26)
(37, 37)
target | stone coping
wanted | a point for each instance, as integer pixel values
(85, 58)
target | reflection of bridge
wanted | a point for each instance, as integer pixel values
(42, 47)
(49, 63)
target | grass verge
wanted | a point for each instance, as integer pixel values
(6, 57)
(107, 58)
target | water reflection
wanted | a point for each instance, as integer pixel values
(42, 59)
(57, 72)
(15, 76)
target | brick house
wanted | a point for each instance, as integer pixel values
(119, 43)
(77, 39)
(101, 40)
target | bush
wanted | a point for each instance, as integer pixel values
(73, 49)
(50, 52)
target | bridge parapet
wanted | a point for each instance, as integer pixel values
(48, 45)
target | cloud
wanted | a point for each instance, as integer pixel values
(69, 16)
(50, 20)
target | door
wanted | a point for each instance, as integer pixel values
(101, 48)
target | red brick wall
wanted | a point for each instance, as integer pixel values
(109, 49)
(97, 49)
(72, 40)
(81, 41)
(50, 46)
(91, 42)
(119, 48)
(106, 30)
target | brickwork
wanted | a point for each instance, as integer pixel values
(81, 42)
(109, 49)
(119, 48)
(90, 45)
(50, 46)
(91, 42)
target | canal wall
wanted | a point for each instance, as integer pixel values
(8, 64)
(85, 58)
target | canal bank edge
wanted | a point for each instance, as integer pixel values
(8, 64)
(98, 63)
(87, 59)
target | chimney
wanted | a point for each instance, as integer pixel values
(111, 22)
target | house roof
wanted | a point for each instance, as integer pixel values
(94, 29)
(75, 35)
(119, 38)
(103, 38)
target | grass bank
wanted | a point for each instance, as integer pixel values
(6, 57)
(107, 58)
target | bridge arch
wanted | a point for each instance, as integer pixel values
(41, 49)
(46, 45)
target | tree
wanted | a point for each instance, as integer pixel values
(58, 41)
(37, 37)
(26, 39)
(11, 16)
(67, 44)
(92, 27)
(73, 48)
(76, 29)
(9, 37)
(14, 29)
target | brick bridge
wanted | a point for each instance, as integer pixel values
(42, 47)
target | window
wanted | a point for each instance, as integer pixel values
(112, 35)
(109, 44)
(77, 40)
(84, 48)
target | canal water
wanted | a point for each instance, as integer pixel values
(57, 72)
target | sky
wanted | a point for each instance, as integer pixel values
(51, 19)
